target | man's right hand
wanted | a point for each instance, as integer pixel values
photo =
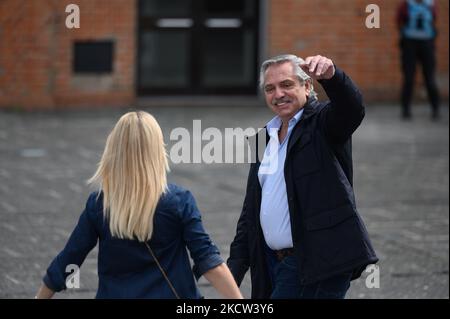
(318, 67)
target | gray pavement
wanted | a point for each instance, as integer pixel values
(401, 184)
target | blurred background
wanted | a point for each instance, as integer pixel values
(62, 90)
(129, 50)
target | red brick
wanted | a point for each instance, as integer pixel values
(36, 47)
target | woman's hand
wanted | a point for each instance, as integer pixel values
(44, 292)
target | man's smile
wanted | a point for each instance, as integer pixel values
(282, 104)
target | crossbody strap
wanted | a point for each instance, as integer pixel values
(162, 271)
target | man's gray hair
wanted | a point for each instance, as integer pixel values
(295, 61)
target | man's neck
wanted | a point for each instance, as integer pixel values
(283, 131)
(285, 122)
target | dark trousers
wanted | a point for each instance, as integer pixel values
(286, 283)
(422, 51)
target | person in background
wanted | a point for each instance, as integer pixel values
(142, 223)
(416, 20)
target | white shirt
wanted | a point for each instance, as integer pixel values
(274, 214)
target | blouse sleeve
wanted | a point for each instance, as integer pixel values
(82, 240)
(203, 251)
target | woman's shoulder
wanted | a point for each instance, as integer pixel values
(175, 196)
(95, 200)
(94, 206)
(175, 189)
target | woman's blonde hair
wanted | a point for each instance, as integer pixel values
(132, 175)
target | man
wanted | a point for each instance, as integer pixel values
(299, 231)
(416, 21)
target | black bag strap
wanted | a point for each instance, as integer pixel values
(162, 271)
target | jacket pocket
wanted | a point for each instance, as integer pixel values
(330, 218)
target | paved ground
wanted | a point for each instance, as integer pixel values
(401, 182)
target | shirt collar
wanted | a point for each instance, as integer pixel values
(275, 123)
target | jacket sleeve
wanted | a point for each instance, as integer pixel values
(81, 241)
(238, 262)
(203, 251)
(345, 111)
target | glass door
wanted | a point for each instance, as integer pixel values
(197, 47)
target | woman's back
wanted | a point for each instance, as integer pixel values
(126, 268)
(137, 214)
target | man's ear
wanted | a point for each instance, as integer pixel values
(308, 87)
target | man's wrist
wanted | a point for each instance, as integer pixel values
(334, 79)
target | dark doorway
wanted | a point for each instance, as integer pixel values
(197, 47)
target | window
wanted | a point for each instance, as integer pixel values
(197, 47)
(93, 57)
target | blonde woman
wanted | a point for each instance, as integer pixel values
(142, 223)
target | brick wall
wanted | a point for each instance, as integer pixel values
(36, 48)
(336, 28)
(36, 53)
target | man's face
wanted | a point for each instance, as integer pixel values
(284, 94)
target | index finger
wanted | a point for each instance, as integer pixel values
(308, 60)
(306, 63)
(304, 67)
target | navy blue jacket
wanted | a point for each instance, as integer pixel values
(328, 234)
(125, 267)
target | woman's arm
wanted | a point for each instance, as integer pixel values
(206, 256)
(83, 238)
(44, 292)
(222, 279)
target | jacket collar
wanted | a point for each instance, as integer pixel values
(309, 110)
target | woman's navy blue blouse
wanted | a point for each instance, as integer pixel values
(126, 268)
